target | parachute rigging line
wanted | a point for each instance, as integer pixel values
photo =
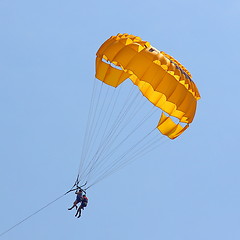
(110, 134)
(122, 161)
(118, 162)
(114, 120)
(87, 128)
(101, 163)
(112, 131)
(88, 134)
(129, 160)
(93, 123)
(90, 123)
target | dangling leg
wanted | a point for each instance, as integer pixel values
(78, 213)
(74, 205)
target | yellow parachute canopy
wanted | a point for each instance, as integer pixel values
(161, 79)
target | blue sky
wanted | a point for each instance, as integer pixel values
(187, 189)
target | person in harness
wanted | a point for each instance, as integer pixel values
(82, 206)
(79, 198)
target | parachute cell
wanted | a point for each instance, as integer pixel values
(161, 79)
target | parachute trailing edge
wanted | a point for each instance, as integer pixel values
(162, 80)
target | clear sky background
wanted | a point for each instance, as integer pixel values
(187, 189)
